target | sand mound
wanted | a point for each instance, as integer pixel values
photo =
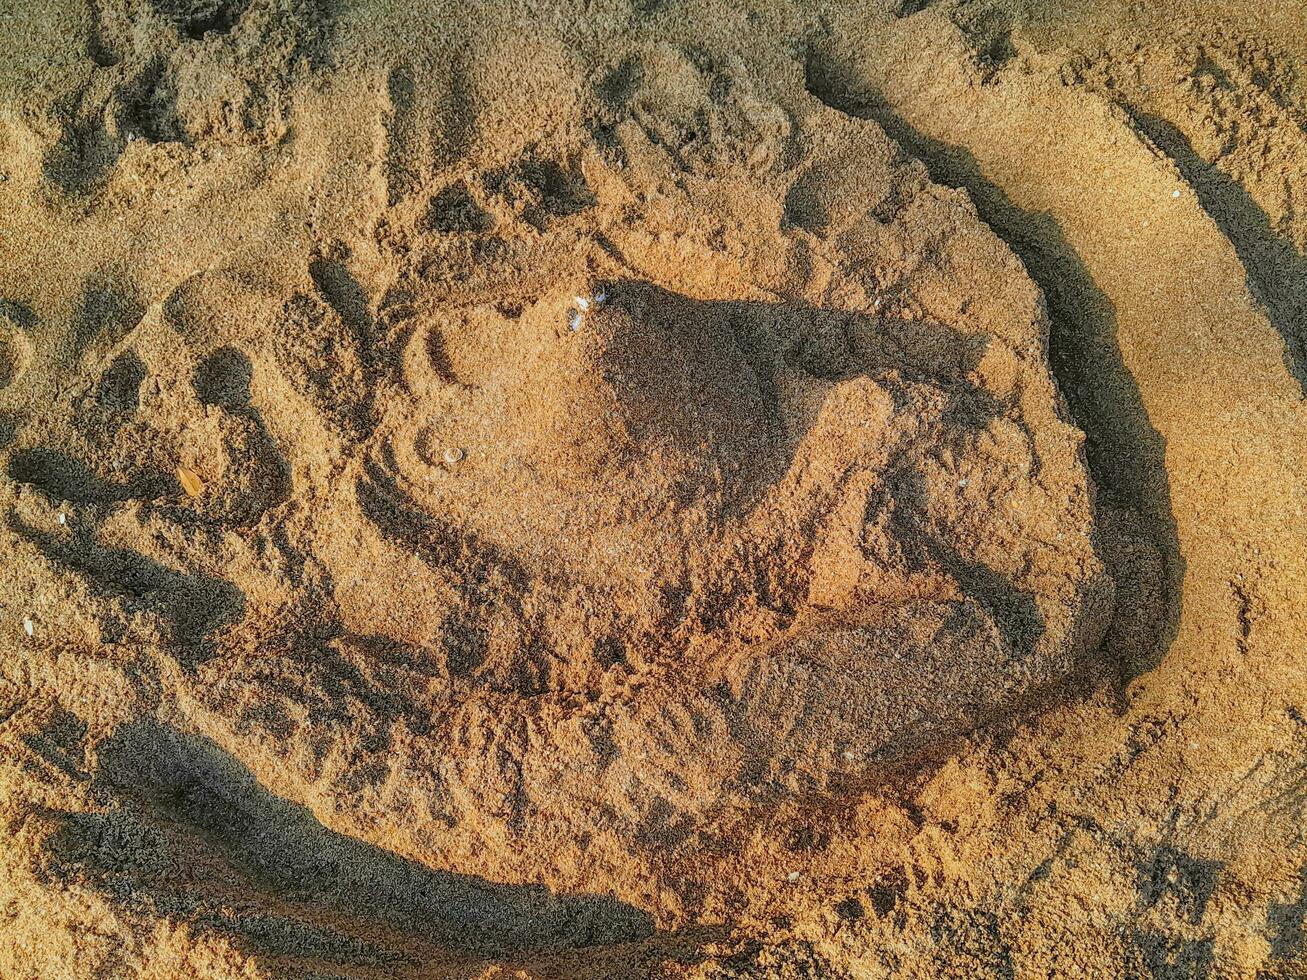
(613, 497)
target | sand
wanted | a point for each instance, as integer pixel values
(672, 489)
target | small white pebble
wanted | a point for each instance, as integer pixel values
(574, 320)
(454, 455)
(62, 518)
(582, 303)
(601, 297)
(793, 876)
(1175, 193)
(962, 482)
(28, 626)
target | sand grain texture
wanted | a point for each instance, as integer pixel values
(672, 489)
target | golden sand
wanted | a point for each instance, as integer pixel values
(656, 489)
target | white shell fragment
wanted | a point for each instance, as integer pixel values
(28, 626)
(62, 519)
(580, 304)
(792, 877)
(454, 455)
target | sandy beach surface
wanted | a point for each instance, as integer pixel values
(653, 488)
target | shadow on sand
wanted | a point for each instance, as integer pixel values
(200, 838)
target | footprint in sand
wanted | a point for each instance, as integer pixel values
(327, 343)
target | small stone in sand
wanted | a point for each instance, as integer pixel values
(28, 626)
(454, 455)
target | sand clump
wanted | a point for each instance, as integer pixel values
(628, 502)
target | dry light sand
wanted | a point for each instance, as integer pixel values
(653, 488)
